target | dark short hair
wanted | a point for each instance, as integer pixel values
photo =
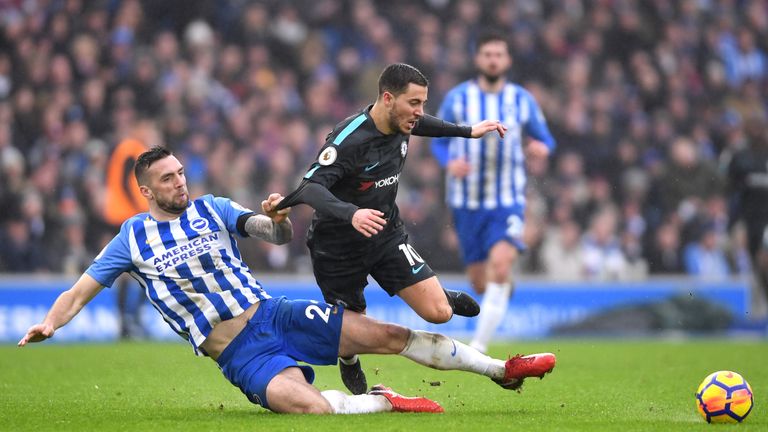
(396, 77)
(146, 159)
(491, 36)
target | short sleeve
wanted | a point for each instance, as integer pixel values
(113, 260)
(229, 211)
(536, 126)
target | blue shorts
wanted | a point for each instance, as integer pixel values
(479, 230)
(281, 333)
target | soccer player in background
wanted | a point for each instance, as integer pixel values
(184, 253)
(486, 177)
(356, 230)
(748, 184)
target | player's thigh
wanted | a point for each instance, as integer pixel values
(505, 224)
(470, 230)
(257, 355)
(341, 280)
(310, 330)
(361, 334)
(397, 265)
(289, 392)
(428, 299)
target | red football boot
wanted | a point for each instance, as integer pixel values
(519, 367)
(402, 403)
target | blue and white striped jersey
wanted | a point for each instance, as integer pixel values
(190, 267)
(497, 177)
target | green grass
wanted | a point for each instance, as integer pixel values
(597, 385)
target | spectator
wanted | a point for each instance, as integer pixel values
(21, 252)
(603, 256)
(703, 258)
(252, 75)
(664, 255)
(562, 254)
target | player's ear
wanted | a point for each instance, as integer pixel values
(146, 192)
(388, 98)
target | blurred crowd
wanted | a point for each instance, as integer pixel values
(646, 99)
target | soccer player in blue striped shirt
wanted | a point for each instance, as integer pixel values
(486, 177)
(184, 253)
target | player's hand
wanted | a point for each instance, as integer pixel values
(536, 150)
(37, 333)
(458, 168)
(487, 126)
(368, 222)
(269, 204)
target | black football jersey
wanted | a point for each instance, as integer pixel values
(361, 166)
(748, 176)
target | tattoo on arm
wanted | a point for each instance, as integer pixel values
(264, 228)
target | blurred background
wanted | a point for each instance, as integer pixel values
(647, 100)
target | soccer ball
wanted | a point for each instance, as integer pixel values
(724, 397)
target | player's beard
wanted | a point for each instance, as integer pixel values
(492, 78)
(172, 207)
(393, 123)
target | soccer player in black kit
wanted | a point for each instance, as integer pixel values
(748, 183)
(356, 229)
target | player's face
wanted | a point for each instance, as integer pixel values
(168, 185)
(407, 108)
(493, 60)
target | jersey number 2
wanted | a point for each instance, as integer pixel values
(514, 226)
(314, 310)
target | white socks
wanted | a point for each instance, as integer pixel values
(429, 349)
(441, 352)
(492, 311)
(343, 403)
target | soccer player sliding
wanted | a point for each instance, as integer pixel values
(185, 255)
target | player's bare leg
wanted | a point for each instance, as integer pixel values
(289, 392)
(352, 375)
(361, 334)
(498, 290)
(477, 273)
(435, 304)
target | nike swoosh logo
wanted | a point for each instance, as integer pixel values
(370, 167)
(415, 270)
(152, 240)
(453, 353)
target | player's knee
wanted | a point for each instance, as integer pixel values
(318, 409)
(439, 314)
(314, 409)
(499, 269)
(478, 285)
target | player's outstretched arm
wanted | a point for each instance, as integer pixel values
(486, 126)
(66, 306)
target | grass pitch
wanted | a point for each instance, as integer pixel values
(597, 385)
